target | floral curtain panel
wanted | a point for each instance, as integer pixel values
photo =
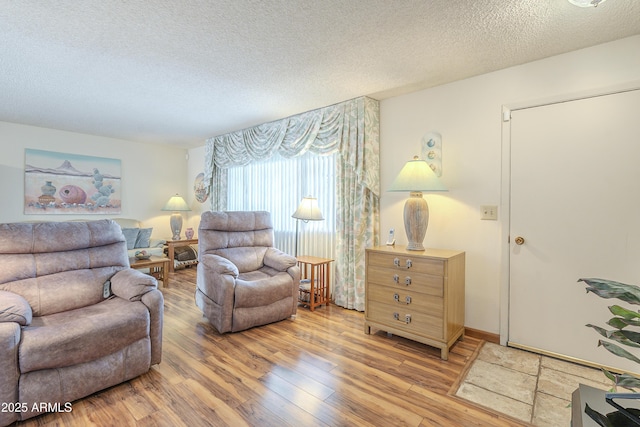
(352, 129)
(358, 196)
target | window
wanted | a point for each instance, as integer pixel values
(277, 185)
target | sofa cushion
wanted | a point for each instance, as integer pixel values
(257, 288)
(144, 238)
(33, 238)
(63, 291)
(249, 258)
(131, 236)
(81, 335)
(14, 308)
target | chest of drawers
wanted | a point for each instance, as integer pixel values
(418, 295)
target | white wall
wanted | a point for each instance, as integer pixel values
(151, 173)
(468, 115)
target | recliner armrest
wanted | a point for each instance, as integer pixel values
(219, 265)
(131, 284)
(156, 243)
(279, 260)
(14, 308)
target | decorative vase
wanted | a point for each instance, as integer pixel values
(48, 189)
(73, 195)
(189, 233)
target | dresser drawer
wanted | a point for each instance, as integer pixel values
(416, 294)
(406, 280)
(418, 323)
(406, 300)
(406, 262)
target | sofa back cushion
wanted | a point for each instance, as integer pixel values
(241, 237)
(59, 266)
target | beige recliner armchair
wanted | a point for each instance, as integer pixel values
(243, 281)
(74, 318)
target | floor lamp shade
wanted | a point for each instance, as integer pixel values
(415, 177)
(308, 210)
(176, 204)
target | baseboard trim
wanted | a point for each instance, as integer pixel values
(482, 335)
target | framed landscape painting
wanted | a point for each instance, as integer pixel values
(61, 183)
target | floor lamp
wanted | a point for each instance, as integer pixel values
(416, 176)
(307, 211)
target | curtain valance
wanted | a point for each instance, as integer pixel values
(323, 131)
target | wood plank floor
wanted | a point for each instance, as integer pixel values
(318, 369)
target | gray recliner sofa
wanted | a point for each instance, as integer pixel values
(74, 318)
(242, 280)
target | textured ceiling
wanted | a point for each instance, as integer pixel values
(179, 72)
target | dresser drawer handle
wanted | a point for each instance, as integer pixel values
(396, 262)
(407, 280)
(396, 278)
(409, 263)
(407, 318)
(407, 299)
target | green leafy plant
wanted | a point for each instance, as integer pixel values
(625, 324)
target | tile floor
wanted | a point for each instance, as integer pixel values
(527, 386)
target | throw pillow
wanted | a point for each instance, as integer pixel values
(131, 235)
(14, 308)
(144, 238)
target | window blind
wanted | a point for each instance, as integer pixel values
(277, 185)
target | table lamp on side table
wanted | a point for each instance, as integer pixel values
(416, 176)
(176, 204)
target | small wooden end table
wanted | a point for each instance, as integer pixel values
(172, 244)
(158, 267)
(316, 270)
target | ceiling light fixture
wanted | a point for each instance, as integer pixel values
(587, 3)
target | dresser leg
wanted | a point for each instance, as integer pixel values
(367, 329)
(444, 353)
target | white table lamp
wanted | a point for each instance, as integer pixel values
(176, 204)
(416, 176)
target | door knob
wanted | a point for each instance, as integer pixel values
(519, 240)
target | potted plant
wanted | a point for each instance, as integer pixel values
(625, 331)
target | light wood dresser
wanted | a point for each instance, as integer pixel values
(418, 295)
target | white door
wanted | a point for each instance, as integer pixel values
(575, 200)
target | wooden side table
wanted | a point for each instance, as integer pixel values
(316, 270)
(158, 267)
(172, 244)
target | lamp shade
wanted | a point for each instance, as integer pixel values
(417, 175)
(176, 204)
(308, 210)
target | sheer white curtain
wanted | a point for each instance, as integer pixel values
(277, 185)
